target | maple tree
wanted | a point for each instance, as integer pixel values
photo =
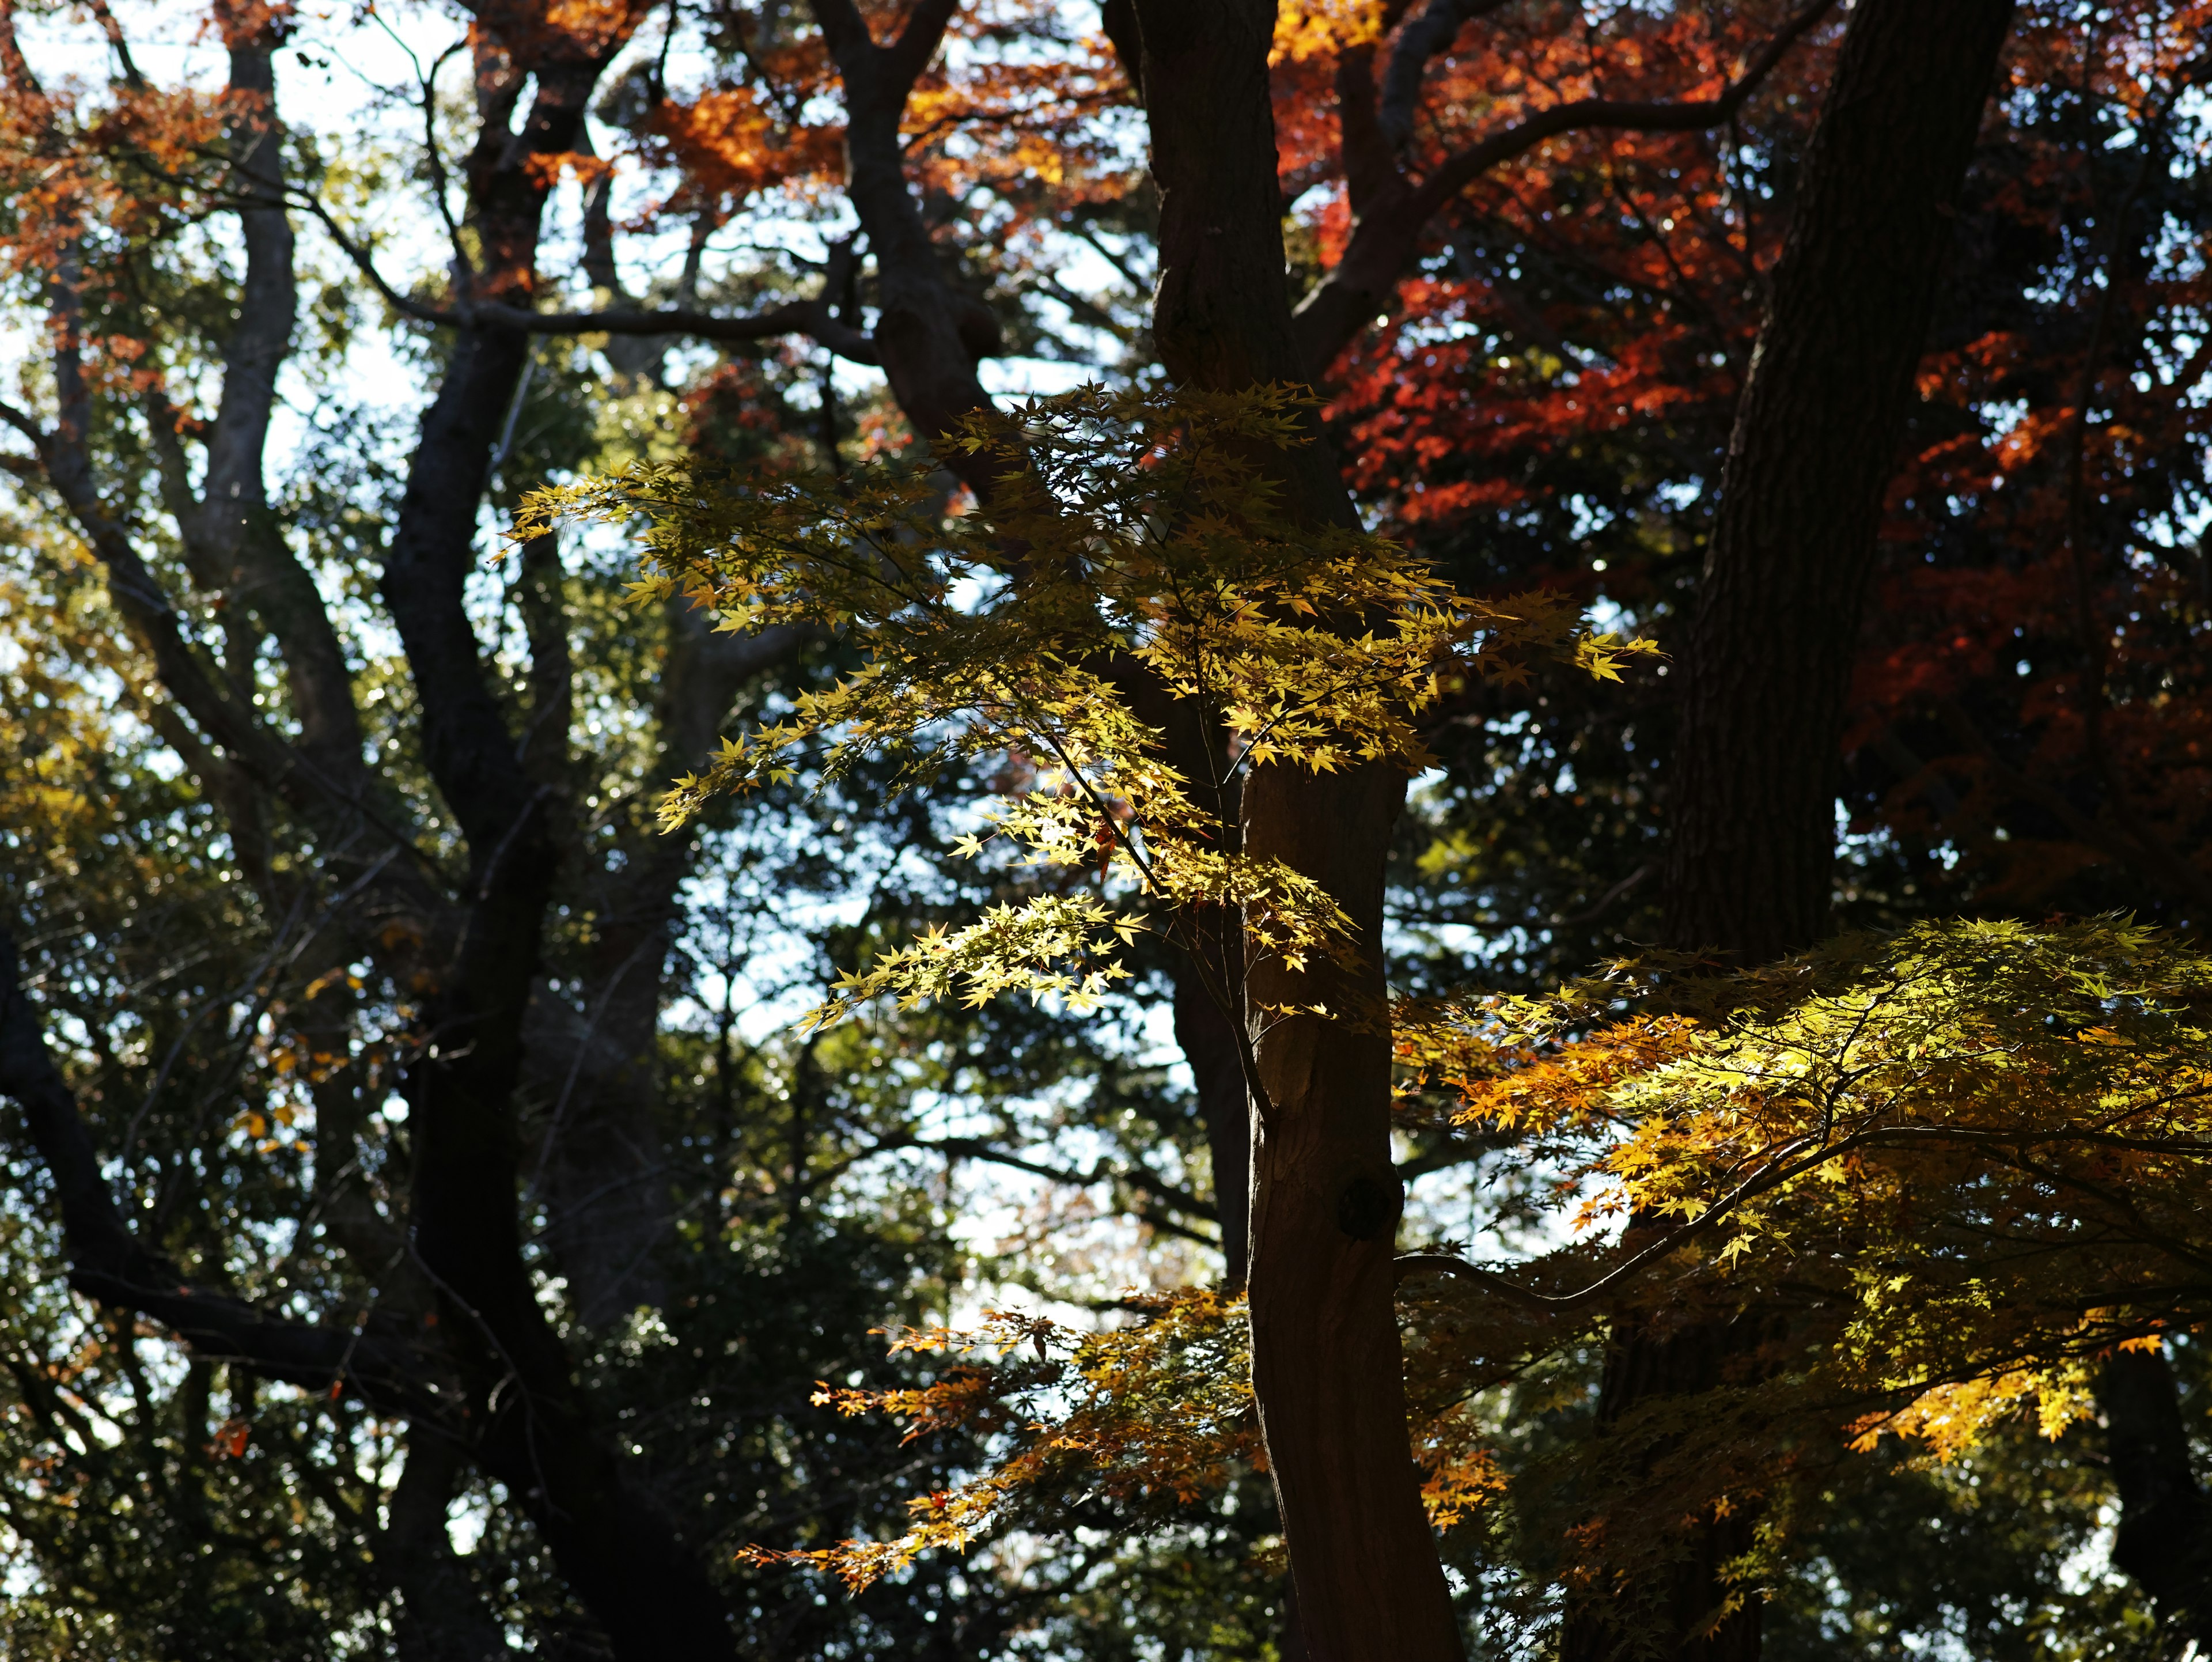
(1121, 541)
(1529, 251)
(1805, 739)
(2154, 46)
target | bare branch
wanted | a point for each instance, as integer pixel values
(108, 1263)
(812, 318)
(1422, 40)
(1137, 1178)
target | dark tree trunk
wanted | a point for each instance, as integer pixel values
(531, 1425)
(930, 333)
(441, 1616)
(1751, 804)
(1325, 1362)
(1208, 1035)
(2164, 1538)
(1752, 798)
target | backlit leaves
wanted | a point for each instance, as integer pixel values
(1133, 546)
(1158, 1410)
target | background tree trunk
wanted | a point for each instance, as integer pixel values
(1752, 805)
(2164, 1538)
(1751, 801)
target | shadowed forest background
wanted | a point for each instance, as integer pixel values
(1740, 1189)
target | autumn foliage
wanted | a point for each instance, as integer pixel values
(572, 629)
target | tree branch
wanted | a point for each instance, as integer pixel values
(1422, 40)
(1586, 113)
(1385, 241)
(813, 318)
(1137, 1178)
(109, 1263)
(909, 55)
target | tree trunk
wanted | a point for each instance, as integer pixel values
(1751, 801)
(1209, 1038)
(530, 1423)
(2164, 1538)
(1326, 1363)
(1327, 1368)
(1752, 804)
(441, 1618)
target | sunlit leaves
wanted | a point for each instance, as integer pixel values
(1992, 1137)
(1160, 1410)
(1133, 546)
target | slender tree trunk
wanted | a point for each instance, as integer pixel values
(1325, 1362)
(1209, 1038)
(1751, 801)
(2164, 1538)
(441, 1617)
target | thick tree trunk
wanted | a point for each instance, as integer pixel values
(1752, 798)
(1751, 803)
(1326, 1367)
(1325, 1362)
(2164, 1538)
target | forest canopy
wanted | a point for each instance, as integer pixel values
(1378, 829)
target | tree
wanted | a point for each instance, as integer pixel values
(1753, 777)
(480, 918)
(1566, 230)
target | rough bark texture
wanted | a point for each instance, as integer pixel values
(1326, 1367)
(1752, 806)
(1325, 1199)
(1752, 800)
(2165, 1537)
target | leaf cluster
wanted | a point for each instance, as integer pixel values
(1134, 545)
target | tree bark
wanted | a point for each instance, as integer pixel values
(441, 1618)
(930, 334)
(1752, 798)
(1325, 1362)
(1752, 806)
(2165, 1537)
(1210, 1042)
(532, 1426)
